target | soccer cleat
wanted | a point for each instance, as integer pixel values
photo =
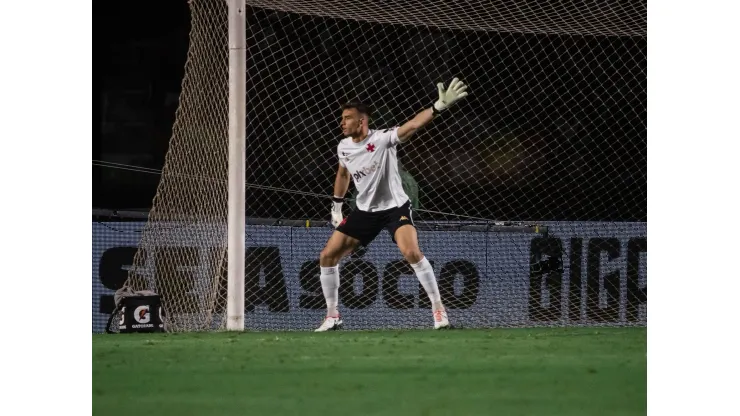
(331, 323)
(440, 319)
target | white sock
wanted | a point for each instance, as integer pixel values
(425, 274)
(330, 286)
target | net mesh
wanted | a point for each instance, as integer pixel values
(183, 245)
(530, 194)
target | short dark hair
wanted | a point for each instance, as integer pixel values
(359, 106)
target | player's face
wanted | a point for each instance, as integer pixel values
(351, 122)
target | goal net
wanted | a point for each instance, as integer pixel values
(530, 195)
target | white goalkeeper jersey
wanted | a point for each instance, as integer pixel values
(373, 164)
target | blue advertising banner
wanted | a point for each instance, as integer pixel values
(581, 273)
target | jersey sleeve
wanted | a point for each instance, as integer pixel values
(339, 156)
(390, 135)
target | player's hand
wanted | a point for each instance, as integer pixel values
(454, 92)
(336, 218)
(336, 212)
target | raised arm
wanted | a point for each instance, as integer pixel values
(410, 127)
(455, 92)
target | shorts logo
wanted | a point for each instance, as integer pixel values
(404, 218)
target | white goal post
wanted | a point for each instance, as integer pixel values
(237, 165)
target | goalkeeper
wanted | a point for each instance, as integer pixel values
(370, 158)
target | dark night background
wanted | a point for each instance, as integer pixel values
(555, 128)
(139, 59)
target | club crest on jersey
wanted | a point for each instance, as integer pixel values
(370, 147)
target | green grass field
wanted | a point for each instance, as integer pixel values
(459, 372)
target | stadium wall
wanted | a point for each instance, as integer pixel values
(491, 278)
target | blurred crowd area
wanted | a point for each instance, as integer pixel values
(555, 127)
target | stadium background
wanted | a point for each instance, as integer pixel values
(586, 162)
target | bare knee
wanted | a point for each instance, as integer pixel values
(338, 246)
(413, 255)
(329, 257)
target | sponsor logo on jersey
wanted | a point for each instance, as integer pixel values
(365, 171)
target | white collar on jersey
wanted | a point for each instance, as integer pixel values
(370, 132)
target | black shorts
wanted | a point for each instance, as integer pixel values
(365, 226)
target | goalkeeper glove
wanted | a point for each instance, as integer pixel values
(336, 211)
(455, 91)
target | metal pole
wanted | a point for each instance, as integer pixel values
(237, 162)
